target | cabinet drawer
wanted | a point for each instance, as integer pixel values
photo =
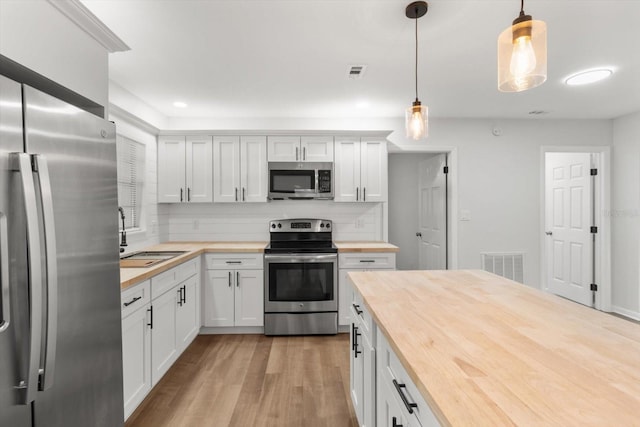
(188, 269)
(135, 297)
(389, 369)
(167, 280)
(239, 261)
(360, 312)
(368, 261)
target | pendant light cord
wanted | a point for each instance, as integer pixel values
(521, 7)
(417, 54)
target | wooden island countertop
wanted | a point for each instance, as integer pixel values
(486, 351)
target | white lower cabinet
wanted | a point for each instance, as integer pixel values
(358, 261)
(233, 296)
(363, 370)
(136, 346)
(164, 341)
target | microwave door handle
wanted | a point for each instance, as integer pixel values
(22, 163)
(46, 198)
(4, 274)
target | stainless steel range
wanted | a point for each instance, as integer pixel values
(301, 278)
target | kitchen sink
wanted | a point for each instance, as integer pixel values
(146, 259)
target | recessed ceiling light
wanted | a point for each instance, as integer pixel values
(587, 77)
(363, 104)
(180, 104)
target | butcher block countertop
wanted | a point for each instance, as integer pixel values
(131, 276)
(366, 247)
(484, 350)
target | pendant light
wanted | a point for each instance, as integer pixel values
(416, 116)
(522, 54)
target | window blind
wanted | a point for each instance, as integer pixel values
(131, 172)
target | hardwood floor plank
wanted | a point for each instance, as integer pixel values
(254, 380)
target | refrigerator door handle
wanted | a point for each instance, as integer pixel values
(46, 198)
(22, 163)
(4, 274)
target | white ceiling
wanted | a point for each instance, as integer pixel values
(289, 58)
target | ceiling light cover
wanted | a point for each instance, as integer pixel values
(588, 77)
(416, 116)
(180, 104)
(522, 54)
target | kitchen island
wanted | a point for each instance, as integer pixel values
(483, 350)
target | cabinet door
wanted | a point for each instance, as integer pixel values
(317, 148)
(171, 169)
(368, 382)
(199, 169)
(283, 149)
(373, 173)
(249, 304)
(226, 179)
(188, 314)
(347, 170)
(388, 409)
(357, 372)
(136, 359)
(163, 334)
(218, 302)
(253, 168)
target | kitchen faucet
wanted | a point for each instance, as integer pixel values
(123, 234)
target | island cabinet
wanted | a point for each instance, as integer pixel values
(240, 169)
(136, 345)
(185, 167)
(175, 315)
(234, 289)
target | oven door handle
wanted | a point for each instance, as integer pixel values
(300, 258)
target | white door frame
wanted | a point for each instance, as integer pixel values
(452, 196)
(602, 206)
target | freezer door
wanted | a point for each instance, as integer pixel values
(83, 370)
(14, 305)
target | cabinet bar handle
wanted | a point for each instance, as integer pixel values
(356, 352)
(356, 307)
(237, 279)
(243, 194)
(394, 423)
(368, 260)
(188, 194)
(304, 153)
(180, 297)
(233, 262)
(229, 279)
(236, 194)
(150, 310)
(364, 194)
(180, 193)
(127, 304)
(406, 402)
(296, 153)
(353, 337)
(184, 294)
(357, 193)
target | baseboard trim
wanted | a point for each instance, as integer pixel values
(626, 312)
(232, 330)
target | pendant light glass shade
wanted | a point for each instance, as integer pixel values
(522, 55)
(417, 121)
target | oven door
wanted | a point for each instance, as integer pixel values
(301, 283)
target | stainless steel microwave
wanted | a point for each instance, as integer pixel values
(300, 180)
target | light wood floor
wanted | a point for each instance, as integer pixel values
(254, 380)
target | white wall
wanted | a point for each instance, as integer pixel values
(625, 215)
(250, 221)
(404, 218)
(37, 35)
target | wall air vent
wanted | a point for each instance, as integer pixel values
(509, 265)
(356, 71)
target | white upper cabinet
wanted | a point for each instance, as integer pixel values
(240, 165)
(360, 170)
(185, 169)
(297, 149)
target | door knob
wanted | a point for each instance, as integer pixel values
(418, 234)
(548, 233)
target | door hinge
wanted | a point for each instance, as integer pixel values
(594, 229)
(594, 172)
(594, 287)
(446, 169)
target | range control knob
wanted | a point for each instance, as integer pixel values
(279, 225)
(328, 225)
(322, 225)
(273, 226)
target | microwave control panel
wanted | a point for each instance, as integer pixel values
(324, 181)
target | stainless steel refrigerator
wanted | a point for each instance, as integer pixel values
(60, 330)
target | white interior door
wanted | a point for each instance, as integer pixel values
(568, 219)
(433, 213)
